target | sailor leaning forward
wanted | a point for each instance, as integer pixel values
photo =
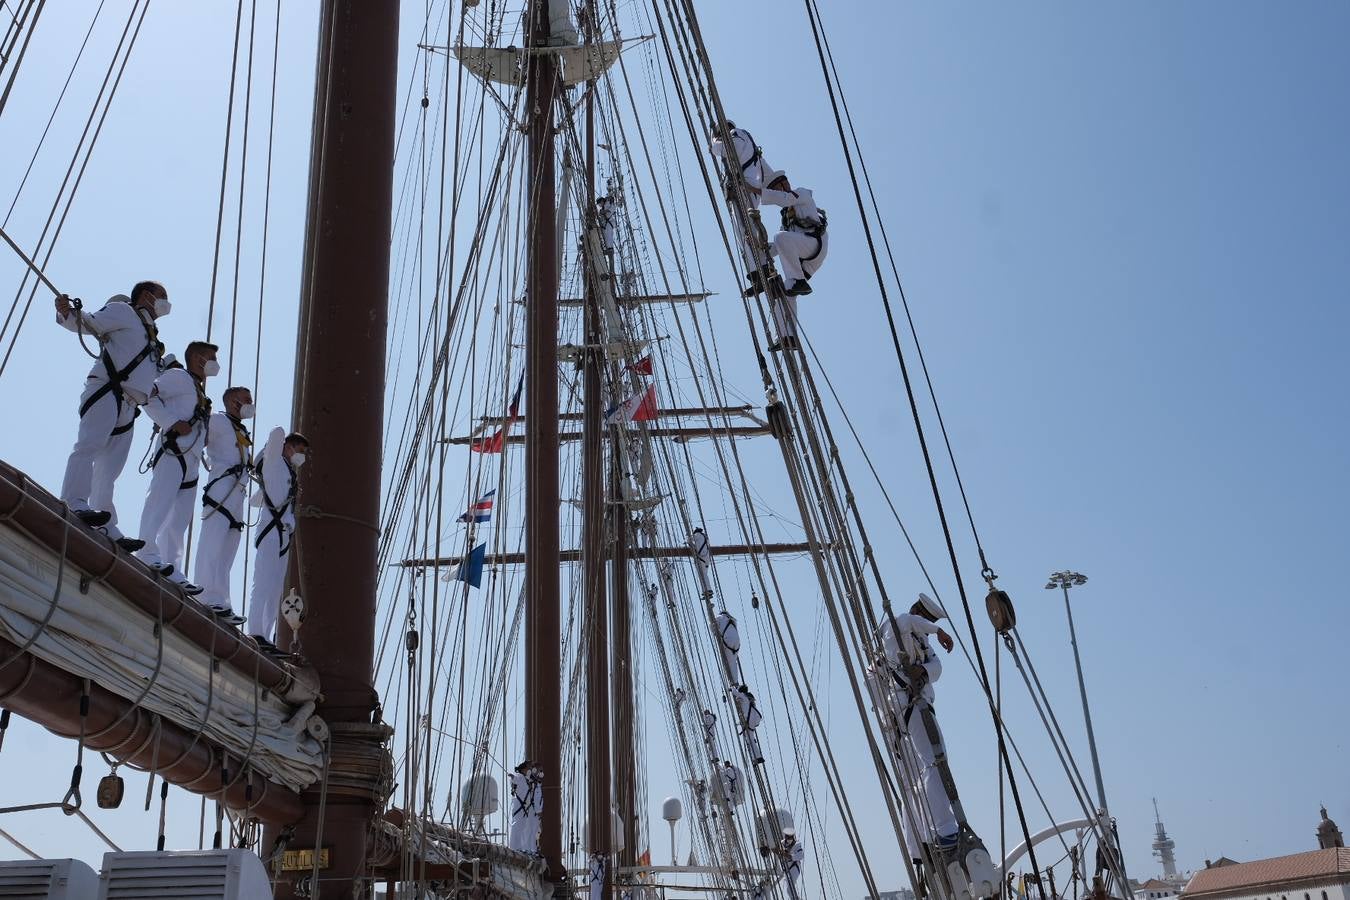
(275, 469)
(119, 383)
(802, 243)
(229, 451)
(179, 407)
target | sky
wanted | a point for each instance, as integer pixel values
(1122, 232)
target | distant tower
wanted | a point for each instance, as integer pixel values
(1328, 835)
(1163, 845)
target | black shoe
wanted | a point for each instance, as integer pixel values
(799, 288)
(163, 569)
(93, 517)
(131, 545)
(787, 343)
(227, 615)
(189, 588)
(264, 644)
(759, 761)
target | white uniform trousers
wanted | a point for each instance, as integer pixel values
(928, 785)
(524, 836)
(168, 509)
(216, 550)
(98, 456)
(269, 575)
(597, 867)
(793, 248)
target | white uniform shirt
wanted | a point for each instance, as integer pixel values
(727, 632)
(123, 331)
(914, 632)
(698, 542)
(173, 399)
(792, 863)
(748, 708)
(277, 478)
(223, 450)
(800, 200)
(756, 172)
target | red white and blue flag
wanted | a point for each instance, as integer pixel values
(495, 442)
(637, 408)
(481, 511)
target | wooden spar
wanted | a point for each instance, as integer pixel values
(339, 407)
(515, 559)
(639, 301)
(735, 431)
(50, 696)
(745, 410)
(543, 648)
(598, 776)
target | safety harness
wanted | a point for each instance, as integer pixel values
(275, 513)
(153, 349)
(755, 158)
(242, 468)
(200, 413)
(810, 227)
(526, 805)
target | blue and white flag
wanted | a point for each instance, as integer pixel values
(482, 510)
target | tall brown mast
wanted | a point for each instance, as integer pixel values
(624, 756)
(598, 806)
(543, 641)
(340, 408)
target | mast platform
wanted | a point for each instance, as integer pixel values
(170, 687)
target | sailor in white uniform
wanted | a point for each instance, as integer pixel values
(596, 871)
(229, 452)
(750, 719)
(563, 32)
(791, 854)
(754, 170)
(914, 690)
(119, 382)
(732, 784)
(179, 407)
(527, 807)
(801, 244)
(709, 720)
(275, 469)
(698, 542)
(729, 637)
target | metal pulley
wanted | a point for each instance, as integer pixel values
(110, 790)
(1000, 608)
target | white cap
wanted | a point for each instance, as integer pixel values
(932, 607)
(774, 176)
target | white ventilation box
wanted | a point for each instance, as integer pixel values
(183, 874)
(47, 879)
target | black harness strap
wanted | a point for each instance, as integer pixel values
(275, 513)
(809, 227)
(116, 377)
(216, 506)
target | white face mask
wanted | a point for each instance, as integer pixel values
(246, 411)
(211, 369)
(162, 306)
(297, 459)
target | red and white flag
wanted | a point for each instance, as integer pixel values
(637, 408)
(642, 366)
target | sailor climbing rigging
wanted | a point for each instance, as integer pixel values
(698, 542)
(729, 639)
(750, 715)
(276, 470)
(791, 854)
(119, 382)
(801, 244)
(179, 407)
(754, 172)
(229, 461)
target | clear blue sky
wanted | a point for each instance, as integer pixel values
(1123, 231)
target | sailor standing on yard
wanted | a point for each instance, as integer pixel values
(802, 244)
(914, 674)
(229, 451)
(276, 469)
(118, 384)
(527, 807)
(179, 407)
(754, 173)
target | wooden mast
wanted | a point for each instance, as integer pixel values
(624, 755)
(543, 641)
(598, 814)
(340, 407)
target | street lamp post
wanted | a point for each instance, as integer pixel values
(1066, 580)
